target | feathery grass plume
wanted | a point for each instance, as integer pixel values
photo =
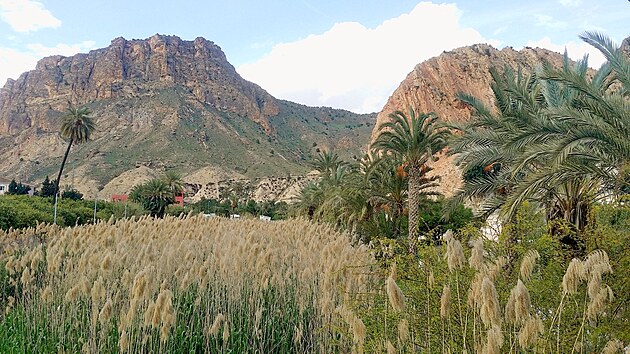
(496, 267)
(490, 315)
(476, 255)
(454, 252)
(98, 291)
(528, 263)
(613, 346)
(474, 293)
(46, 294)
(72, 294)
(26, 277)
(403, 331)
(390, 348)
(214, 330)
(598, 302)
(518, 304)
(396, 297)
(297, 335)
(573, 276)
(494, 341)
(226, 332)
(445, 302)
(528, 335)
(431, 281)
(123, 342)
(106, 312)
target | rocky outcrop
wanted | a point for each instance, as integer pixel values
(127, 69)
(165, 104)
(433, 86)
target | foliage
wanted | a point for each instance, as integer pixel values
(27, 211)
(369, 199)
(559, 138)
(413, 140)
(580, 321)
(48, 188)
(273, 209)
(71, 193)
(157, 194)
(18, 188)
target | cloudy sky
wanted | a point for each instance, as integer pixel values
(344, 54)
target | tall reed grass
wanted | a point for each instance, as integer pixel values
(185, 284)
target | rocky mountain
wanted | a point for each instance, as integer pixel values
(162, 103)
(432, 86)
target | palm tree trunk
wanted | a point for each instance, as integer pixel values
(63, 163)
(414, 201)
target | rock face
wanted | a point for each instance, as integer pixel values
(128, 69)
(166, 104)
(433, 85)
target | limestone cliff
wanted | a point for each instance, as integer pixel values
(432, 86)
(126, 69)
(161, 103)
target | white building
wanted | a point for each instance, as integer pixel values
(4, 186)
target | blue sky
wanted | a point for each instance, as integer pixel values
(345, 54)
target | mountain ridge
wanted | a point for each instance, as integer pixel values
(162, 103)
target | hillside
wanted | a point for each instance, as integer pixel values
(162, 103)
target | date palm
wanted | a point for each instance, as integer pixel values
(77, 126)
(414, 139)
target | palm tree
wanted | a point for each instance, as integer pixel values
(559, 139)
(327, 162)
(154, 195)
(174, 182)
(77, 125)
(414, 140)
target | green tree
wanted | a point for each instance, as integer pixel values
(327, 162)
(414, 139)
(48, 188)
(77, 125)
(71, 193)
(154, 196)
(174, 182)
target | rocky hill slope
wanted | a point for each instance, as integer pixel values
(432, 86)
(162, 103)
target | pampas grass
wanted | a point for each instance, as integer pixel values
(184, 284)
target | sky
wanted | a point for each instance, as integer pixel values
(336, 53)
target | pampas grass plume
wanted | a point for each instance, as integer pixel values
(613, 346)
(396, 297)
(489, 312)
(528, 263)
(528, 335)
(445, 302)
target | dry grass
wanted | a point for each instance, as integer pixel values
(150, 285)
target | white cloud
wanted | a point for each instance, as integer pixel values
(27, 15)
(570, 3)
(576, 50)
(61, 48)
(357, 68)
(549, 22)
(14, 62)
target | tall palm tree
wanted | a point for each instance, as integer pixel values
(174, 182)
(327, 163)
(77, 125)
(414, 139)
